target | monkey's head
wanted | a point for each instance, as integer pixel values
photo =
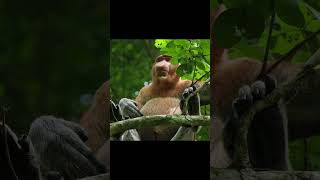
(163, 71)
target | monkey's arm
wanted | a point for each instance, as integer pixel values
(141, 98)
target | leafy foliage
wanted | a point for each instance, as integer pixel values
(130, 66)
(192, 55)
(244, 26)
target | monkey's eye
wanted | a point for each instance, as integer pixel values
(161, 59)
(158, 60)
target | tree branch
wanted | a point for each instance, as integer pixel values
(222, 174)
(150, 121)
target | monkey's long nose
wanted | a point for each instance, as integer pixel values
(162, 66)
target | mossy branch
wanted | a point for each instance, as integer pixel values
(150, 121)
(223, 174)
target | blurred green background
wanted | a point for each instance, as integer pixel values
(131, 61)
(53, 56)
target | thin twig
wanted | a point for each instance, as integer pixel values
(4, 130)
(292, 51)
(185, 106)
(266, 54)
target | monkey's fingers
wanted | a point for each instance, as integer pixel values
(258, 90)
(270, 83)
(133, 111)
(242, 102)
(188, 91)
(130, 135)
(129, 108)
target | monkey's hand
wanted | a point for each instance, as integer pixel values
(128, 108)
(193, 103)
(60, 147)
(193, 108)
(248, 95)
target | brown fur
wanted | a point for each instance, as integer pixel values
(161, 97)
(95, 120)
(169, 86)
(103, 155)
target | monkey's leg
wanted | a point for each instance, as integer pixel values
(267, 138)
(239, 106)
(128, 109)
(267, 141)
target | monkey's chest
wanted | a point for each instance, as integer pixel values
(160, 106)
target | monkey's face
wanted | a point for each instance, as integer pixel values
(163, 69)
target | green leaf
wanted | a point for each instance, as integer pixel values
(226, 29)
(245, 49)
(289, 12)
(183, 43)
(160, 43)
(262, 7)
(200, 65)
(314, 12)
(233, 24)
(184, 69)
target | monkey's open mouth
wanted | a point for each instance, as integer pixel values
(162, 73)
